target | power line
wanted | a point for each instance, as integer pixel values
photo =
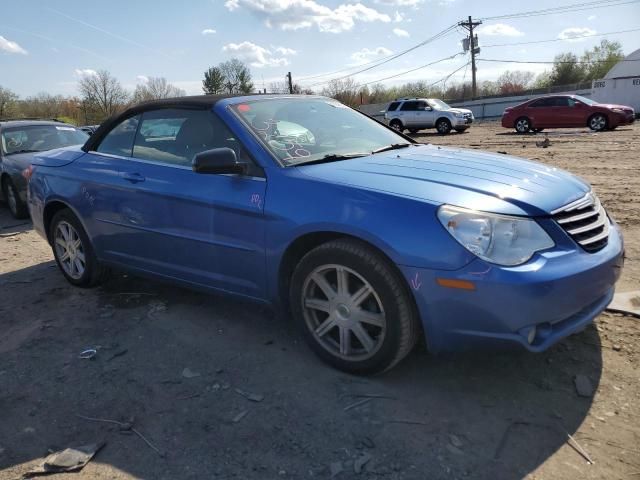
(412, 70)
(441, 34)
(556, 62)
(575, 7)
(559, 39)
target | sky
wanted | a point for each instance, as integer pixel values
(48, 46)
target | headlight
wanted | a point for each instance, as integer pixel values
(495, 238)
(459, 114)
(617, 110)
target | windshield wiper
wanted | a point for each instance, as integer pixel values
(393, 146)
(332, 157)
(24, 151)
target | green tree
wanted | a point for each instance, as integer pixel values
(213, 82)
(600, 59)
(245, 85)
(566, 69)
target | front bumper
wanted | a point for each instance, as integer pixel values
(559, 292)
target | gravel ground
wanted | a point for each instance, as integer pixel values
(180, 367)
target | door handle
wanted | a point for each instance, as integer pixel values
(133, 177)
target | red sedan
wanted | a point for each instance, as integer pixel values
(562, 111)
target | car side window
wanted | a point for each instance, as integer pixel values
(409, 106)
(543, 102)
(393, 106)
(174, 136)
(422, 106)
(119, 141)
(561, 102)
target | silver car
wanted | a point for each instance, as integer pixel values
(415, 114)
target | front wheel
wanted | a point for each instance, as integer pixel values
(73, 251)
(598, 122)
(443, 126)
(354, 308)
(17, 207)
(396, 125)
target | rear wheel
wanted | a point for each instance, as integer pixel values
(443, 125)
(73, 251)
(354, 308)
(396, 125)
(16, 206)
(523, 125)
(598, 122)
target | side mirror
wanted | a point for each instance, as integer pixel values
(219, 161)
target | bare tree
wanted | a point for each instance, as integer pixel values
(237, 76)
(104, 92)
(344, 90)
(514, 81)
(156, 88)
(7, 101)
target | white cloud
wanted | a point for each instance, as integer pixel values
(255, 55)
(11, 47)
(575, 33)
(365, 55)
(398, 17)
(591, 17)
(400, 3)
(500, 29)
(142, 79)
(208, 31)
(284, 51)
(400, 32)
(85, 72)
(299, 14)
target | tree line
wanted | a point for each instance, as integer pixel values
(100, 94)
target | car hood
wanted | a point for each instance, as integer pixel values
(612, 105)
(466, 178)
(458, 110)
(58, 157)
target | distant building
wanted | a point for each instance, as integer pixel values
(621, 84)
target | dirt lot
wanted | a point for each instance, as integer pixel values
(489, 416)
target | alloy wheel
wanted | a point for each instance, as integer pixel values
(69, 250)
(522, 125)
(344, 312)
(598, 123)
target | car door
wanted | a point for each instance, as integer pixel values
(167, 219)
(562, 112)
(539, 112)
(577, 113)
(407, 113)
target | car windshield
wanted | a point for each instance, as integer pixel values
(38, 138)
(303, 130)
(586, 100)
(438, 104)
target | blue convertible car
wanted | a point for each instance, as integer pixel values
(368, 239)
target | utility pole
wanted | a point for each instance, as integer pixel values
(474, 49)
(290, 82)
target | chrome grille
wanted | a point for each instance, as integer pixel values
(586, 222)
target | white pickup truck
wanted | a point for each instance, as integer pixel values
(415, 114)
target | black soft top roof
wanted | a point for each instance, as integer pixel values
(194, 101)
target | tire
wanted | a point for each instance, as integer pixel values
(318, 299)
(16, 206)
(522, 125)
(80, 267)
(598, 122)
(443, 126)
(413, 130)
(397, 125)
